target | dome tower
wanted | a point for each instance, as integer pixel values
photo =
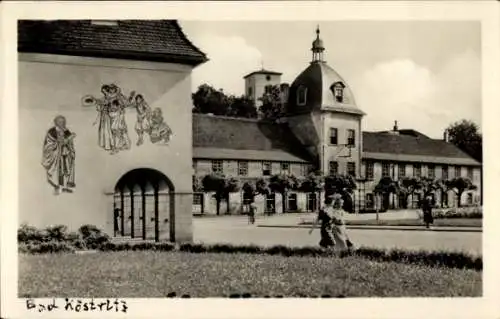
(322, 113)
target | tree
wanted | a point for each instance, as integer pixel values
(207, 100)
(262, 187)
(242, 106)
(272, 103)
(282, 184)
(222, 186)
(440, 185)
(313, 183)
(408, 186)
(466, 136)
(385, 187)
(459, 185)
(197, 184)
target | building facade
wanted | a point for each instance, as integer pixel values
(98, 143)
(321, 131)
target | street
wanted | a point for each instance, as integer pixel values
(236, 230)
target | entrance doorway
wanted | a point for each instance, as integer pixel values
(144, 205)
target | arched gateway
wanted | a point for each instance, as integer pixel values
(144, 205)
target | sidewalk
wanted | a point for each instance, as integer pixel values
(295, 221)
(396, 228)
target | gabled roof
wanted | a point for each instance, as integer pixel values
(147, 40)
(262, 71)
(237, 138)
(217, 137)
(412, 147)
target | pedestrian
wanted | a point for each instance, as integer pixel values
(427, 205)
(333, 229)
(339, 228)
(324, 218)
(251, 213)
(117, 215)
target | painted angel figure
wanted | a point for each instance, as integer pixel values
(58, 157)
(159, 131)
(119, 130)
(143, 116)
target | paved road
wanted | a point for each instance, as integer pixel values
(236, 230)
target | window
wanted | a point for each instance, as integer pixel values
(431, 171)
(285, 167)
(470, 174)
(351, 168)
(197, 198)
(250, 92)
(351, 137)
(243, 168)
(445, 172)
(266, 168)
(304, 169)
(292, 202)
(108, 23)
(268, 77)
(338, 91)
(470, 198)
(369, 203)
(386, 172)
(301, 95)
(369, 170)
(417, 170)
(458, 171)
(312, 202)
(402, 170)
(270, 203)
(333, 168)
(333, 136)
(268, 89)
(217, 167)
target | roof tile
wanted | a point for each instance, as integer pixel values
(134, 39)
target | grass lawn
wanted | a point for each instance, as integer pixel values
(156, 274)
(445, 222)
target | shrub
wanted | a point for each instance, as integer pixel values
(57, 232)
(462, 212)
(27, 233)
(46, 247)
(93, 236)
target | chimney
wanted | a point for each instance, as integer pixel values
(395, 128)
(446, 137)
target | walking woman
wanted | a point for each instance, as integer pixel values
(251, 213)
(333, 229)
(427, 205)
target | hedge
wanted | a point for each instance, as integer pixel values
(61, 243)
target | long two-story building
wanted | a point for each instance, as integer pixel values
(321, 131)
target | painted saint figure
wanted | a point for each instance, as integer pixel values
(59, 156)
(143, 117)
(159, 131)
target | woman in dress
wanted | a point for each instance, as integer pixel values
(333, 230)
(339, 229)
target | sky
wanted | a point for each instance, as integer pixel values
(424, 74)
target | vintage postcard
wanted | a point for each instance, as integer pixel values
(250, 160)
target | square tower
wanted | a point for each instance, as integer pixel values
(257, 81)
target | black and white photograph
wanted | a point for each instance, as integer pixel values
(307, 158)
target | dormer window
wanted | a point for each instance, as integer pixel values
(108, 23)
(337, 89)
(301, 95)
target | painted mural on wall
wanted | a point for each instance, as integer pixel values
(112, 127)
(59, 156)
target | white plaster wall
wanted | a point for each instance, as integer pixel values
(50, 85)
